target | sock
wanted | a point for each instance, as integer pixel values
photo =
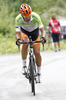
(24, 62)
(39, 70)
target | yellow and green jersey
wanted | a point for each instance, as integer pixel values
(34, 23)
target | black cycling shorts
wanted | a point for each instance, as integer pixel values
(34, 34)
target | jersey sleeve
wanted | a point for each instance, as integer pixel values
(17, 26)
(40, 24)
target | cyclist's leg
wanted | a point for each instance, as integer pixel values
(24, 46)
(24, 50)
(36, 49)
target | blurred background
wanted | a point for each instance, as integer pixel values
(9, 9)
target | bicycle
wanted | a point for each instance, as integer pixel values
(31, 70)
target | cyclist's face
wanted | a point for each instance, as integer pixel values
(27, 18)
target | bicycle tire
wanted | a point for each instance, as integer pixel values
(34, 66)
(32, 76)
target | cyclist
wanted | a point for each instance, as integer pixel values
(27, 24)
(54, 25)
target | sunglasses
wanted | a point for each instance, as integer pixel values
(27, 16)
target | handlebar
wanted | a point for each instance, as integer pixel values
(30, 42)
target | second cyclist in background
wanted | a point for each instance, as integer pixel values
(27, 24)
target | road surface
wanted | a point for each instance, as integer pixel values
(14, 86)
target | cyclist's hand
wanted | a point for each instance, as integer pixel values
(17, 42)
(43, 39)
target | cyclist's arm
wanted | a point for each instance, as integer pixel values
(17, 26)
(18, 32)
(41, 27)
(43, 33)
(18, 35)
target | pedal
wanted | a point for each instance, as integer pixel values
(27, 76)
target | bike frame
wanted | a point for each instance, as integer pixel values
(31, 68)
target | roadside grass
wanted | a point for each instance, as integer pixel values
(8, 46)
(50, 46)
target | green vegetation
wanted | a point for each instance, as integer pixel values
(9, 9)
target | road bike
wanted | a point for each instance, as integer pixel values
(31, 70)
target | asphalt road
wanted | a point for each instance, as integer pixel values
(14, 86)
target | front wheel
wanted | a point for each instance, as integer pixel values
(32, 76)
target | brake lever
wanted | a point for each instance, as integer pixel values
(19, 48)
(43, 45)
